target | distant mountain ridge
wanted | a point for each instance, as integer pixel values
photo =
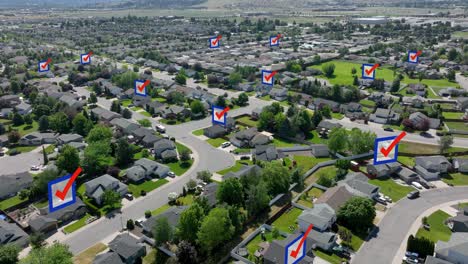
(101, 3)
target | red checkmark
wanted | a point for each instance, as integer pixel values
(269, 76)
(142, 87)
(221, 114)
(276, 39)
(87, 56)
(215, 42)
(304, 237)
(49, 60)
(62, 194)
(386, 151)
(415, 56)
(369, 71)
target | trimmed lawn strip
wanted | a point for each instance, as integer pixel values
(76, 225)
(456, 179)
(22, 149)
(10, 202)
(198, 132)
(408, 161)
(186, 200)
(87, 256)
(438, 230)
(332, 258)
(161, 209)
(419, 148)
(452, 115)
(236, 167)
(181, 147)
(246, 120)
(391, 188)
(146, 186)
(41, 204)
(287, 220)
(215, 142)
(457, 125)
(284, 143)
(178, 167)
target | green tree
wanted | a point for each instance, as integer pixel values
(175, 98)
(452, 54)
(220, 101)
(360, 141)
(99, 133)
(445, 142)
(197, 107)
(230, 192)
(353, 71)
(184, 156)
(338, 140)
(204, 176)
(14, 136)
(127, 114)
(92, 98)
(9, 254)
(96, 157)
(69, 159)
(18, 119)
(123, 152)
(82, 125)
(39, 185)
(162, 231)
(44, 156)
(181, 78)
(28, 120)
(395, 85)
(357, 214)
(215, 229)
(186, 253)
(43, 123)
(36, 240)
(115, 106)
(111, 199)
(234, 78)
(190, 221)
(243, 99)
(59, 122)
(324, 180)
(55, 254)
(303, 121)
(451, 75)
(144, 122)
(257, 199)
(317, 118)
(328, 69)
(276, 177)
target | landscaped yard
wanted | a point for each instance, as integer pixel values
(181, 147)
(306, 199)
(215, 142)
(252, 246)
(438, 230)
(76, 225)
(198, 132)
(338, 116)
(186, 200)
(125, 102)
(408, 161)
(26, 129)
(457, 125)
(287, 222)
(41, 203)
(161, 209)
(456, 179)
(329, 172)
(392, 189)
(10, 202)
(247, 121)
(236, 167)
(332, 258)
(307, 162)
(178, 167)
(452, 115)
(460, 34)
(22, 149)
(87, 256)
(315, 138)
(367, 103)
(146, 186)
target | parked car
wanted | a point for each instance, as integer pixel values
(381, 200)
(35, 167)
(413, 195)
(171, 174)
(2, 153)
(160, 128)
(226, 144)
(128, 196)
(425, 184)
(139, 222)
(389, 129)
(410, 260)
(411, 254)
(417, 185)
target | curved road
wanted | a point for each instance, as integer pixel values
(394, 227)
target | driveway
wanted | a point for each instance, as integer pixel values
(396, 224)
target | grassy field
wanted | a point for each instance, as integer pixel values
(438, 230)
(247, 121)
(10, 202)
(391, 188)
(235, 168)
(146, 186)
(283, 143)
(161, 209)
(178, 167)
(456, 179)
(287, 220)
(453, 115)
(314, 137)
(216, 142)
(460, 34)
(76, 225)
(418, 148)
(87, 256)
(457, 125)
(26, 129)
(198, 132)
(306, 199)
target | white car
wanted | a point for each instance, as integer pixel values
(139, 222)
(35, 168)
(171, 174)
(417, 185)
(160, 128)
(226, 144)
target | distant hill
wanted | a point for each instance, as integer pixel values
(102, 3)
(163, 4)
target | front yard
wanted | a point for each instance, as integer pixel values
(247, 121)
(146, 186)
(287, 222)
(456, 179)
(179, 167)
(438, 230)
(392, 189)
(10, 202)
(198, 132)
(87, 256)
(216, 142)
(239, 164)
(22, 149)
(284, 143)
(76, 225)
(306, 198)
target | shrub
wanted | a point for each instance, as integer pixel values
(147, 213)
(130, 224)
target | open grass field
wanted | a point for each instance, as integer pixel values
(460, 34)
(391, 188)
(418, 148)
(453, 115)
(438, 230)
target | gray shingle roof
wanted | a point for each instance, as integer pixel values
(11, 233)
(13, 183)
(108, 258)
(172, 215)
(321, 215)
(126, 246)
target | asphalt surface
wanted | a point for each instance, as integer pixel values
(392, 230)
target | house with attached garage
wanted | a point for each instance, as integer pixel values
(325, 126)
(356, 183)
(418, 117)
(462, 103)
(321, 216)
(124, 126)
(172, 215)
(123, 249)
(320, 150)
(95, 188)
(23, 108)
(407, 175)
(38, 138)
(216, 131)
(319, 103)
(146, 169)
(165, 149)
(175, 112)
(243, 171)
(334, 197)
(279, 94)
(455, 250)
(460, 165)
(249, 138)
(11, 184)
(431, 167)
(10, 100)
(383, 170)
(459, 223)
(384, 116)
(104, 115)
(266, 153)
(68, 138)
(10, 233)
(417, 88)
(414, 101)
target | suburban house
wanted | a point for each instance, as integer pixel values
(245, 170)
(216, 131)
(460, 165)
(431, 167)
(321, 216)
(462, 103)
(320, 150)
(325, 126)
(334, 197)
(383, 170)
(10, 100)
(380, 98)
(418, 117)
(407, 175)
(356, 183)
(319, 103)
(414, 101)
(459, 223)
(266, 153)
(10, 233)
(249, 138)
(128, 248)
(104, 114)
(38, 138)
(146, 169)
(124, 126)
(417, 88)
(209, 192)
(279, 94)
(172, 215)
(175, 112)
(352, 110)
(455, 250)
(72, 101)
(384, 116)
(23, 108)
(95, 188)
(165, 149)
(13, 183)
(68, 138)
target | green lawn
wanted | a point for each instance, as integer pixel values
(460, 34)
(145, 113)
(456, 179)
(41, 203)
(216, 142)
(198, 132)
(287, 220)
(125, 102)
(10, 202)
(315, 138)
(418, 148)
(178, 167)
(87, 256)
(356, 240)
(338, 116)
(408, 161)
(139, 155)
(453, 115)
(147, 186)
(332, 258)
(438, 230)
(457, 125)
(307, 162)
(235, 168)
(392, 189)
(367, 103)
(50, 149)
(161, 209)
(22, 149)
(329, 172)
(283, 143)
(252, 246)
(26, 129)
(76, 225)
(242, 150)
(247, 121)
(181, 147)
(186, 200)
(306, 199)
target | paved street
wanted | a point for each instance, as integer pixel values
(21, 162)
(394, 227)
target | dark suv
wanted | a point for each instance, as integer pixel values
(413, 195)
